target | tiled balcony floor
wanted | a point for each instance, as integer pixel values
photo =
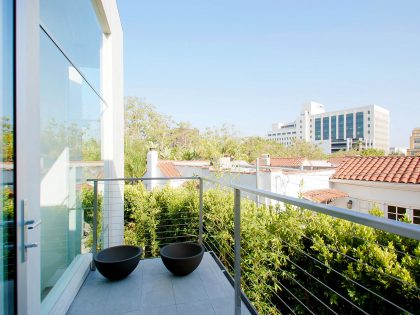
(151, 289)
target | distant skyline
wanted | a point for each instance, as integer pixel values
(253, 63)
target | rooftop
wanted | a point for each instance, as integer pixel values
(168, 169)
(391, 169)
(324, 195)
(152, 289)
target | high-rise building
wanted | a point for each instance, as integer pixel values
(414, 143)
(358, 128)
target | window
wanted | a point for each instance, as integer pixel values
(416, 216)
(334, 127)
(326, 128)
(359, 125)
(349, 126)
(396, 213)
(7, 202)
(317, 129)
(341, 127)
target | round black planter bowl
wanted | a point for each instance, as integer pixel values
(182, 258)
(118, 262)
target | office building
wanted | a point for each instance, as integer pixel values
(414, 143)
(355, 128)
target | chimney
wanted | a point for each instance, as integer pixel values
(152, 164)
(265, 159)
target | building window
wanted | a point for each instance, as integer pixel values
(317, 129)
(396, 213)
(360, 125)
(326, 128)
(416, 216)
(341, 127)
(334, 127)
(349, 126)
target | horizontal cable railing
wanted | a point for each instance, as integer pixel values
(314, 267)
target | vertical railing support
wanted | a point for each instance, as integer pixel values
(257, 178)
(95, 223)
(200, 214)
(237, 238)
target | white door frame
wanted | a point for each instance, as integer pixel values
(27, 160)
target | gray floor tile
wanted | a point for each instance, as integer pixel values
(152, 290)
(225, 306)
(157, 291)
(196, 308)
(162, 310)
(189, 289)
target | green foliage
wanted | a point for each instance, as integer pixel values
(87, 197)
(7, 199)
(7, 139)
(278, 245)
(146, 128)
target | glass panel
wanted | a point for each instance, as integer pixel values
(74, 25)
(7, 213)
(392, 210)
(334, 127)
(359, 125)
(318, 129)
(7, 210)
(416, 216)
(401, 212)
(326, 127)
(349, 126)
(341, 127)
(70, 136)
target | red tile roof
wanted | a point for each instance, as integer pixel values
(286, 162)
(336, 161)
(391, 169)
(324, 195)
(168, 169)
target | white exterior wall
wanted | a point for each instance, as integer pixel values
(277, 182)
(113, 118)
(367, 195)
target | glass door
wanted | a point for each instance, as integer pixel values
(7, 162)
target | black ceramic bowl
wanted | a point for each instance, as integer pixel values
(118, 262)
(182, 258)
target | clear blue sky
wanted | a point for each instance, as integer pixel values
(252, 63)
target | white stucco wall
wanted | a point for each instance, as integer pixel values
(113, 118)
(366, 195)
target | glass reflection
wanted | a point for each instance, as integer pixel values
(73, 24)
(70, 138)
(7, 201)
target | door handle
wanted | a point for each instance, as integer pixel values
(26, 225)
(32, 224)
(31, 245)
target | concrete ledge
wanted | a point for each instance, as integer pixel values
(61, 296)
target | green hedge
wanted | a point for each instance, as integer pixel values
(278, 245)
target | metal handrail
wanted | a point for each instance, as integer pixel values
(396, 227)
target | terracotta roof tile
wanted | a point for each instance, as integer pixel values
(324, 195)
(336, 161)
(390, 169)
(286, 162)
(168, 169)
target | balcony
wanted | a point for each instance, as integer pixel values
(282, 255)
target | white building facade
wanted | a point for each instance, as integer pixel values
(358, 128)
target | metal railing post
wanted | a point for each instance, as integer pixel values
(200, 214)
(257, 177)
(237, 238)
(95, 223)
